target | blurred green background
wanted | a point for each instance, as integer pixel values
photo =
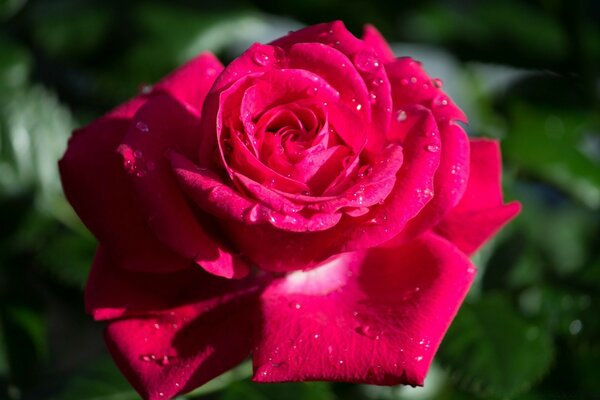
(525, 72)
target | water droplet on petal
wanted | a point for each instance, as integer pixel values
(400, 115)
(148, 357)
(358, 107)
(138, 154)
(418, 358)
(261, 58)
(437, 82)
(372, 98)
(142, 127)
(471, 270)
(366, 61)
(432, 148)
(252, 214)
(365, 170)
(377, 82)
(413, 80)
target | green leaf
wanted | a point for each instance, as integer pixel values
(99, 381)
(242, 371)
(78, 35)
(547, 143)
(34, 128)
(24, 337)
(15, 65)
(8, 8)
(67, 257)
(289, 391)
(492, 351)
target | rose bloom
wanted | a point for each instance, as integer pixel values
(313, 205)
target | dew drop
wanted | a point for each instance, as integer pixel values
(377, 82)
(252, 214)
(432, 148)
(366, 61)
(372, 98)
(368, 331)
(142, 127)
(418, 358)
(413, 80)
(138, 154)
(437, 82)
(365, 170)
(341, 362)
(358, 107)
(141, 173)
(316, 336)
(147, 357)
(441, 101)
(404, 81)
(329, 349)
(400, 115)
(471, 270)
(261, 58)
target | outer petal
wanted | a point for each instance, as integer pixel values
(374, 39)
(333, 34)
(88, 168)
(190, 83)
(412, 85)
(177, 330)
(373, 317)
(112, 292)
(449, 182)
(175, 351)
(91, 165)
(169, 126)
(481, 211)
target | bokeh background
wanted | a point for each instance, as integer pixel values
(525, 72)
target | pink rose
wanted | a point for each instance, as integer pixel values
(313, 204)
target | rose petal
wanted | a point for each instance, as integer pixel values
(449, 183)
(206, 189)
(335, 68)
(411, 85)
(481, 212)
(413, 187)
(377, 42)
(333, 34)
(174, 351)
(372, 317)
(169, 215)
(89, 166)
(191, 82)
(112, 292)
